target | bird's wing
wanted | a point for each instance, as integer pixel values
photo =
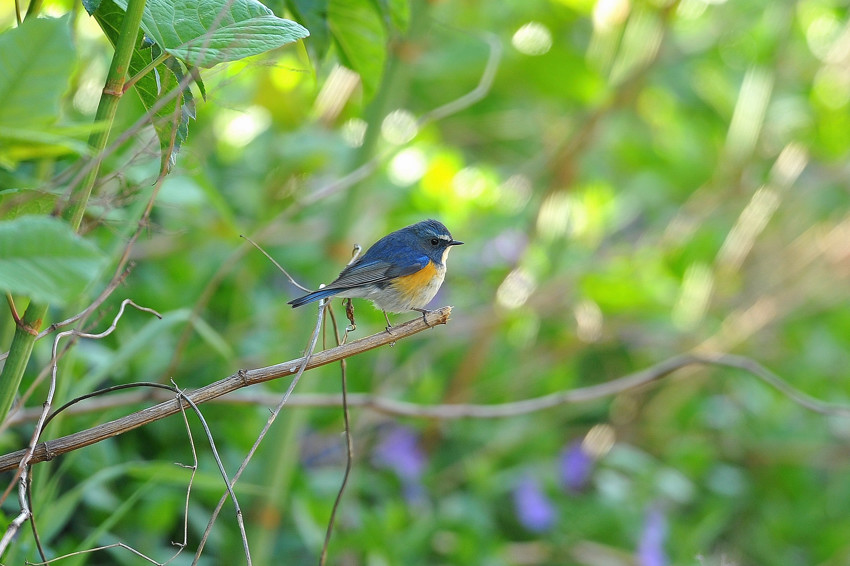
(372, 272)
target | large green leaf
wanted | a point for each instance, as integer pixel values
(41, 257)
(42, 140)
(32, 83)
(204, 33)
(36, 62)
(359, 31)
(245, 28)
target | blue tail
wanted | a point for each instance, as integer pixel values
(314, 296)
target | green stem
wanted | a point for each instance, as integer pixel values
(148, 68)
(35, 8)
(108, 105)
(19, 355)
(22, 343)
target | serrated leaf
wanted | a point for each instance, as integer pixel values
(199, 82)
(36, 62)
(151, 86)
(204, 33)
(91, 6)
(358, 30)
(41, 257)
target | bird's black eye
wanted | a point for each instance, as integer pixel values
(435, 241)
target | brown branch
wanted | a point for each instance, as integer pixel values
(623, 384)
(52, 448)
(395, 407)
(629, 382)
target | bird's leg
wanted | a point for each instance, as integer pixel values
(349, 313)
(424, 312)
(388, 322)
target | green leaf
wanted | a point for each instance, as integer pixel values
(19, 144)
(42, 258)
(91, 6)
(32, 82)
(36, 62)
(24, 202)
(204, 33)
(358, 30)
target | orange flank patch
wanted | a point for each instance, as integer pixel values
(411, 285)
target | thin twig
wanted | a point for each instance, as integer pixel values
(194, 467)
(302, 366)
(274, 261)
(180, 398)
(18, 320)
(479, 92)
(97, 549)
(52, 448)
(349, 443)
(228, 485)
(23, 464)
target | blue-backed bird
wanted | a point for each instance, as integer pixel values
(400, 272)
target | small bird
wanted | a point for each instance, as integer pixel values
(400, 272)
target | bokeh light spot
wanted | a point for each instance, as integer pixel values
(335, 93)
(515, 193)
(553, 218)
(821, 34)
(608, 14)
(238, 129)
(469, 183)
(515, 289)
(832, 87)
(599, 440)
(399, 127)
(588, 321)
(407, 167)
(532, 39)
(353, 132)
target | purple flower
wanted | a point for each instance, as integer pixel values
(533, 509)
(398, 450)
(576, 467)
(650, 551)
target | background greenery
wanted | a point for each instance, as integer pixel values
(640, 179)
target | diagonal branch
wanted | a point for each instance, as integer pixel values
(52, 448)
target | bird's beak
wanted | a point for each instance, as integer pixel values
(455, 243)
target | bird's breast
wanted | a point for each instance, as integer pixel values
(417, 289)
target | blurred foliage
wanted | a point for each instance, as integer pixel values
(641, 179)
